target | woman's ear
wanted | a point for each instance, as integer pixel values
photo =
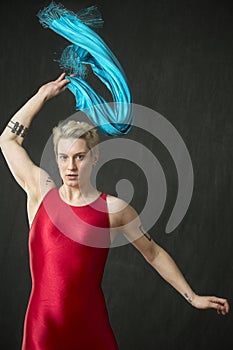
(56, 159)
(95, 155)
(95, 160)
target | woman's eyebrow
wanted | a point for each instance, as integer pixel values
(76, 154)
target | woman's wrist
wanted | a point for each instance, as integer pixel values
(190, 297)
(41, 96)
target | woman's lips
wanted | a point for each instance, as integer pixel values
(72, 177)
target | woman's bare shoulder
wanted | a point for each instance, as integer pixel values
(116, 204)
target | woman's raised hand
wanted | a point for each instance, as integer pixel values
(54, 88)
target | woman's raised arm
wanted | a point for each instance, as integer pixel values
(25, 172)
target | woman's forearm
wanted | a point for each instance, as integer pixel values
(167, 268)
(29, 110)
(23, 116)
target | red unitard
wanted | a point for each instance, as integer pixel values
(68, 248)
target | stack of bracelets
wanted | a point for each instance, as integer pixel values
(18, 129)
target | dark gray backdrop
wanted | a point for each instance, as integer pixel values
(178, 58)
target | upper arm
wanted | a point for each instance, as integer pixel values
(27, 174)
(133, 229)
(128, 221)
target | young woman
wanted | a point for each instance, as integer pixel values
(71, 229)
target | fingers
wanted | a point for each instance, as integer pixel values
(61, 82)
(61, 77)
(220, 304)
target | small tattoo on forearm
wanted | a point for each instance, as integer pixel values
(146, 234)
(188, 297)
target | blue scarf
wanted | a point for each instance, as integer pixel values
(89, 49)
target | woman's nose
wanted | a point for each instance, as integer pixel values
(72, 164)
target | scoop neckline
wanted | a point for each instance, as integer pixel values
(78, 206)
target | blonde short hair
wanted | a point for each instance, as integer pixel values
(77, 130)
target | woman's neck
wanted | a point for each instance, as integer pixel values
(77, 194)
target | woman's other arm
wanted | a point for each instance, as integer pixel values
(129, 223)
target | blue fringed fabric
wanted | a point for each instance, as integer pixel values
(89, 49)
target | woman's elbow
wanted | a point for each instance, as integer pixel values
(152, 252)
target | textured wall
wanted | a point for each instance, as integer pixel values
(178, 58)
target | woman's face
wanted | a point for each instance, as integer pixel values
(75, 161)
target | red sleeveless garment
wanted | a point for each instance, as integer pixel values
(68, 247)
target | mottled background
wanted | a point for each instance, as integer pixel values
(178, 58)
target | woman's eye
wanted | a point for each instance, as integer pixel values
(63, 157)
(80, 157)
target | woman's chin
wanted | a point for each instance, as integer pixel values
(71, 183)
